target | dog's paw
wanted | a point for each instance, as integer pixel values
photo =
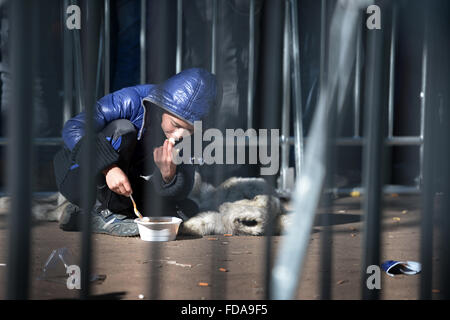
(203, 224)
(243, 219)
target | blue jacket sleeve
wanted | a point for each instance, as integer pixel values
(122, 104)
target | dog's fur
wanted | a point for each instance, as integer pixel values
(237, 206)
(240, 206)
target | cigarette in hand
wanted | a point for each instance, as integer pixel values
(172, 141)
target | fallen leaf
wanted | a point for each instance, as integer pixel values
(353, 235)
(355, 194)
(396, 218)
(394, 195)
(212, 239)
(404, 211)
(223, 270)
(203, 284)
(341, 281)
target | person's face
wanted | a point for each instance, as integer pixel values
(174, 127)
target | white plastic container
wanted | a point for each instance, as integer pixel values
(158, 228)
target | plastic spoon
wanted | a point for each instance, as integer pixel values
(136, 211)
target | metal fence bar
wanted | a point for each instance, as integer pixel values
(107, 55)
(298, 107)
(38, 141)
(143, 42)
(214, 37)
(373, 159)
(387, 189)
(68, 68)
(251, 64)
(427, 153)
(392, 72)
(92, 23)
(323, 42)
(357, 84)
(358, 141)
(179, 52)
(271, 89)
(79, 72)
(286, 111)
(325, 266)
(19, 161)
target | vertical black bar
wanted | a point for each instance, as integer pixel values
(20, 147)
(326, 235)
(162, 63)
(374, 117)
(78, 67)
(107, 62)
(143, 42)
(323, 43)
(272, 60)
(437, 95)
(426, 244)
(68, 66)
(326, 238)
(90, 28)
(162, 30)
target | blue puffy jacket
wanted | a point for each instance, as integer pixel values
(187, 95)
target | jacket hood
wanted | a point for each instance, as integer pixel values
(188, 95)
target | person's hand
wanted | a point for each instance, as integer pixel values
(163, 159)
(118, 181)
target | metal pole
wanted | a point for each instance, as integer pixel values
(357, 87)
(214, 37)
(298, 122)
(79, 86)
(100, 61)
(251, 64)
(271, 89)
(19, 154)
(92, 10)
(179, 57)
(143, 44)
(323, 43)
(427, 152)
(107, 46)
(373, 159)
(286, 117)
(392, 72)
(68, 68)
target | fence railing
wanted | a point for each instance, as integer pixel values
(344, 34)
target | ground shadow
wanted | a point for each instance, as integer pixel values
(187, 237)
(106, 296)
(323, 219)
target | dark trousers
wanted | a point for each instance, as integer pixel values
(123, 136)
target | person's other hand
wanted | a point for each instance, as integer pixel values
(163, 159)
(118, 181)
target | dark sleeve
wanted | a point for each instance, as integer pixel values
(105, 155)
(180, 186)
